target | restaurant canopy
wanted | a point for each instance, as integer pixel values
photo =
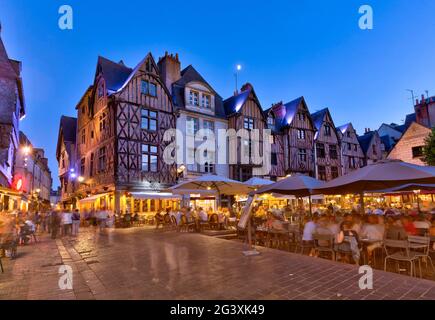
(220, 185)
(409, 187)
(155, 195)
(382, 175)
(297, 185)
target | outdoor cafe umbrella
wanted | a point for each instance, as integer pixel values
(216, 183)
(379, 176)
(297, 185)
(257, 182)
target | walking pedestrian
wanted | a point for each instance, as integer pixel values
(75, 223)
(67, 222)
(54, 224)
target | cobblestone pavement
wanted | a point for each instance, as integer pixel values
(144, 264)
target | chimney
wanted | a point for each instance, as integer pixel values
(170, 69)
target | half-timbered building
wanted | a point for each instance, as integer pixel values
(371, 145)
(352, 156)
(294, 122)
(66, 158)
(327, 153)
(122, 120)
(244, 112)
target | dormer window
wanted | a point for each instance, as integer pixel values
(194, 98)
(248, 123)
(206, 101)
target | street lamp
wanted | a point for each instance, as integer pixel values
(26, 150)
(80, 179)
(236, 75)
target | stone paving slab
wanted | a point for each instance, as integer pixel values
(145, 264)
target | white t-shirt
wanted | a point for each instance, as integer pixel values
(373, 232)
(309, 229)
(67, 218)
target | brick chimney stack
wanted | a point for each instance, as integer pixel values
(170, 69)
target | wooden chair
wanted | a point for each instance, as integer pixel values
(214, 221)
(188, 226)
(324, 243)
(401, 253)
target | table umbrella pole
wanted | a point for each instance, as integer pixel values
(311, 205)
(361, 202)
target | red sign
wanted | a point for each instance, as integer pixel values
(18, 184)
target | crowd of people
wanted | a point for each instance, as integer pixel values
(350, 229)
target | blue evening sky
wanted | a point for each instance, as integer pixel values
(287, 48)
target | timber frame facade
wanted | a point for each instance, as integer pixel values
(117, 147)
(327, 153)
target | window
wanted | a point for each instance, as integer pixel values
(333, 151)
(301, 116)
(272, 139)
(149, 66)
(102, 159)
(334, 172)
(327, 130)
(301, 134)
(208, 125)
(149, 158)
(92, 134)
(348, 134)
(148, 88)
(274, 159)
(352, 163)
(246, 174)
(355, 147)
(194, 98)
(349, 146)
(149, 120)
(270, 122)
(321, 170)
(82, 166)
(374, 149)
(83, 135)
(302, 155)
(206, 101)
(248, 123)
(320, 149)
(62, 161)
(102, 121)
(192, 125)
(208, 167)
(417, 152)
(247, 148)
(91, 166)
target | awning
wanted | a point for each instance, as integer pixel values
(155, 195)
(93, 198)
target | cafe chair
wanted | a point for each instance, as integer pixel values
(421, 247)
(324, 243)
(399, 251)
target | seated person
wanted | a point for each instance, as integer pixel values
(374, 232)
(203, 216)
(394, 231)
(348, 241)
(408, 224)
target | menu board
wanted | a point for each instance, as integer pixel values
(246, 213)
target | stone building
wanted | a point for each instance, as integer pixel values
(12, 110)
(31, 166)
(410, 146)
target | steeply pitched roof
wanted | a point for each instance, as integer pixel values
(365, 140)
(234, 104)
(343, 128)
(386, 140)
(318, 118)
(69, 128)
(410, 118)
(290, 110)
(115, 74)
(188, 75)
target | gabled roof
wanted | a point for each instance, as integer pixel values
(344, 127)
(188, 75)
(410, 118)
(318, 118)
(365, 140)
(235, 103)
(386, 140)
(67, 130)
(290, 110)
(115, 74)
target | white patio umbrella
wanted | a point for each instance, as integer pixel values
(257, 182)
(208, 183)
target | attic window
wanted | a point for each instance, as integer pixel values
(327, 130)
(148, 88)
(194, 98)
(149, 66)
(301, 116)
(270, 121)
